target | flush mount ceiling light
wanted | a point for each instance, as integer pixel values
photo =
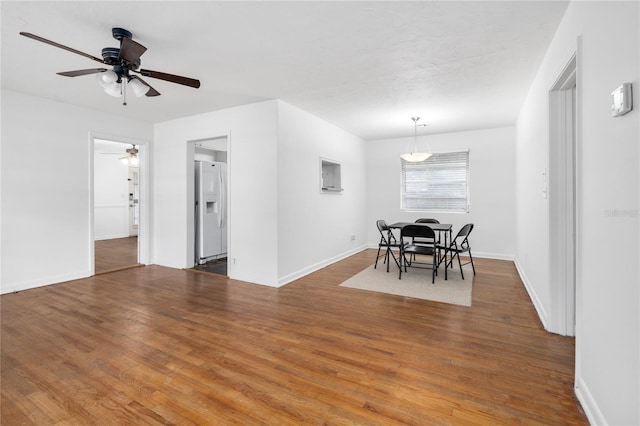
(415, 156)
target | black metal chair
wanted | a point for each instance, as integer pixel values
(387, 242)
(460, 244)
(421, 240)
(427, 220)
(424, 233)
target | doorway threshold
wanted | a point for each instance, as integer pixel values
(122, 268)
(216, 266)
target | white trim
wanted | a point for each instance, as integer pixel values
(542, 313)
(111, 237)
(144, 229)
(588, 403)
(190, 146)
(562, 181)
(319, 265)
(46, 281)
(496, 256)
(479, 254)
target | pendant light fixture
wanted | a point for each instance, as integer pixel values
(415, 156)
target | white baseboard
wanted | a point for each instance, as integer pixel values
(542, 313)
(480, 254)
(319, 265)
(591, 410)
(110, 237)
(497, 256)
(26, 285)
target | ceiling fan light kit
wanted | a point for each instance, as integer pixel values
(124, 61)
(139, 88)
(131, 159)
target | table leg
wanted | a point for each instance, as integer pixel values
(446, 246)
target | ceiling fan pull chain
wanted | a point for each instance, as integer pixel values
(124, 90)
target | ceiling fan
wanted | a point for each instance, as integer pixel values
(130, 159)
(124, 61)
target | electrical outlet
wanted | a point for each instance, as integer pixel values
(353, 238)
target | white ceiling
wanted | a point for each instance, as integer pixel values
(365, 66)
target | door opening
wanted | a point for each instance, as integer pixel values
(116, 207)
(209, 181)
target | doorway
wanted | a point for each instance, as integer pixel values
(208, 200)
(116, 205)
(563, 197)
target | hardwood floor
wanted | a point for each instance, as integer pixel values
(115, 254)
(160, 346)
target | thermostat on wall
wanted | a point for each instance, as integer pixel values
(621, 100)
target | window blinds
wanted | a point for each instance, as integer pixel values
(440, 183)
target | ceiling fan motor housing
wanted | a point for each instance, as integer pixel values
(120, 33)
(111, 56)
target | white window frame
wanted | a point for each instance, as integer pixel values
(438, 184)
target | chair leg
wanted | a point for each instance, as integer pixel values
(460, 265)
(434, 271)
(386, 257)
(377, 257)
(394, 259)
(472, 265)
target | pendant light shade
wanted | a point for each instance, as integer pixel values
(415, 156)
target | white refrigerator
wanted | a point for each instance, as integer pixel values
(210, 210)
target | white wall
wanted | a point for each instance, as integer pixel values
(111, 195)
(46, 203)
(274, 199)
(492, 187)
(253, 206)
(606, 38)
(315, 229)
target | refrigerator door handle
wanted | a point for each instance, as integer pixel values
(221, 201)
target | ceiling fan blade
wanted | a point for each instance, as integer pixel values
(61, 46)
(131, 50)
(78, 73)
(152, 91)
(186, 81)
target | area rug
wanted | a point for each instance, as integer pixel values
(416, 283)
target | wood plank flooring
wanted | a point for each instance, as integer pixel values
(160, 346)
(115, 254)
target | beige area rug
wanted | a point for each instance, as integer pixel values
(416, 283)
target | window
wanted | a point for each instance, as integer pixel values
(440, 183)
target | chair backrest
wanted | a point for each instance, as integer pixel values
(382, 225)
(427, 220)
(464, 233)
(420, 231)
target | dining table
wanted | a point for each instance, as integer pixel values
(440, 228)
